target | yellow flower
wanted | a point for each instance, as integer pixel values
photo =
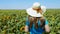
(16, 20)
(8, 17)
(22, 28)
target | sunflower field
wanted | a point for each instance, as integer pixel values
(13, 21)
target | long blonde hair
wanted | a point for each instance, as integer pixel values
(36, 23)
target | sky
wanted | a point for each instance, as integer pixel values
(24, 4)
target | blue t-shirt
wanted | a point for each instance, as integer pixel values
(33, 29)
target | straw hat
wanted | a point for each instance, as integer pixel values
(36, 5)
(43, 8)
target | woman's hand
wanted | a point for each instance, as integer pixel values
(47, 28)
(26, 28)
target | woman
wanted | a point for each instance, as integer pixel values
(36, 23)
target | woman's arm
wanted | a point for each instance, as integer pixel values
(47, 28)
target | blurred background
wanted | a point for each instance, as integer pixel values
(13, 15)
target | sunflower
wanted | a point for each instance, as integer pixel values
(8, 17)
(16, 20)
(22, 28)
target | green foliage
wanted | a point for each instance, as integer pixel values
(12, 21)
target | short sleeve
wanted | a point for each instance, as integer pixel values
(27, 22)
(46, 22)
